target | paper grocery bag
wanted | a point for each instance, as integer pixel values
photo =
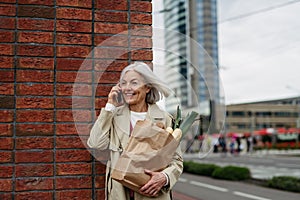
(149, 147)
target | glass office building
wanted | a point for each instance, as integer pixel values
(191, 42)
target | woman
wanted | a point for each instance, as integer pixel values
(133, 99)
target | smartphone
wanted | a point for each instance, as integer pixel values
(120, 97)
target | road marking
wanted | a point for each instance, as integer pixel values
(182, 180)
(208, 186)
(250, 196)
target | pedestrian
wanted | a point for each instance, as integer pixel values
(133, 99)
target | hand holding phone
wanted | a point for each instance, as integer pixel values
(115, 96)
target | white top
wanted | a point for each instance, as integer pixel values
(135, 116)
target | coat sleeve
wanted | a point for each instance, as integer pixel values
(175, 168)
(99, 134)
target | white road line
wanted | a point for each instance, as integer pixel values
(208, 186)
(184, 180)
(250, 196)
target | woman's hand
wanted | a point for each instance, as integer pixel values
(113, 96)
(154, 185)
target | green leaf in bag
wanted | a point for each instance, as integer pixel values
(187, 122)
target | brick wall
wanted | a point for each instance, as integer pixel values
(58, 61)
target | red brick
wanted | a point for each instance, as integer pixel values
(35, 37)
(100, 103)
(35, 50)
(8, 1)
(141, 18)
(66, 129)
(141, 6)
(35, 115)
(7, 36)
(6, 49)
(74, 13)
(7, 23)
(34, 184)
(34, 156)
(34, 76)
(34, 102)
(36, 11)
(141, 30)
(100, 182)
(34, 143)
(37, 2)
(35, 89)
(73, 155)
(141, 55)
(6, 62)
(73, 51)
(113, 53)
(111, 5)
(35, 24)
(74, 38)
(34, 195)
(100, 168)
(106, 28)
(6, 89)
(73, 103)
(6, 171)
(34, 170)
(69, 142)
(72, 89)
(77, 3)
(74, 26)
(7, 102)
(6, 129)
(71, 129)
(110, 65)
(107, 77)
(141, 42)
(6, 143)
(6, 185)
(73, 64)
(77, 194)
(110, 41)
(7, 10)
(100, 194)
(74, 77)
(103, 90)
(74, 182)
(73, 169)
(104, 16)
(6, 157)
(7, 76)
(35, 63)
(34, 129)
(6, 116)
(73, 116)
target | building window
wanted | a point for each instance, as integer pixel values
(238, 114)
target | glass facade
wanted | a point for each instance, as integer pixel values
(194, 20)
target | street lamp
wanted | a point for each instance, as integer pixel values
(298, 113)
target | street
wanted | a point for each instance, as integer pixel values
(262, 166)
(206, 188)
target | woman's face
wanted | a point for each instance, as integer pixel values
(133, 88)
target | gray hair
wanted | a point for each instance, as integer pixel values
(157, 87)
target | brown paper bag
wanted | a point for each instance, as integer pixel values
(149, 147)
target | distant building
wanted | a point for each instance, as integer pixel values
(248, 117)
(192, 56)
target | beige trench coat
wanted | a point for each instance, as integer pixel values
(111, 130)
